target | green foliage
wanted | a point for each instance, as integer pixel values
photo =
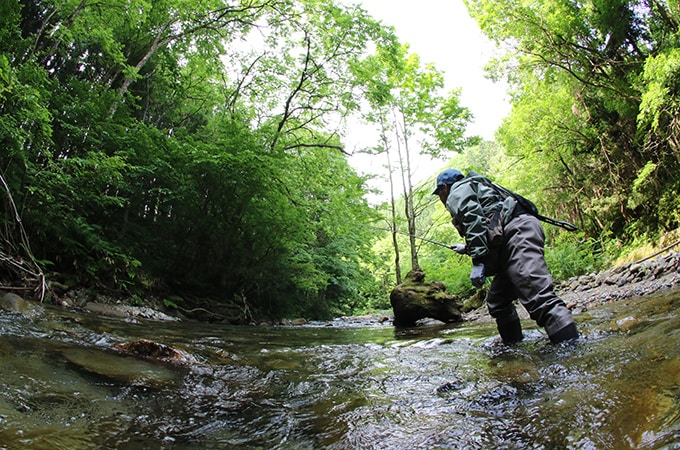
(136, 300)
(453, 270)
(570, 255)
(143, 159)
(172, 301)
(593, 88)
(145, 149)
(660, 84)
(408, 94)
(407, 105)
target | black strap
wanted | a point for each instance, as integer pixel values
(560, 223)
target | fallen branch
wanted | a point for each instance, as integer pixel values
(15, 288)
(18, 262)
(665, 249)
(193, 310)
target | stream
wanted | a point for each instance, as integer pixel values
(342, 386)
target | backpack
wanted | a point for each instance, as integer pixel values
(528, 205)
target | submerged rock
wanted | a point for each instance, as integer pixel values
(122, 369)
(139, 363)
(416, 299)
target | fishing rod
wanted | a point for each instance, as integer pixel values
(450, 247)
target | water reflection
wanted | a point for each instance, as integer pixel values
(337, 387)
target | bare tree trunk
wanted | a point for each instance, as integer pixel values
(405, 162)
(393, 207)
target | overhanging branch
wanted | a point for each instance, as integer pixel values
(334, 147)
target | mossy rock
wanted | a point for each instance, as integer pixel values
(416, 299)
(474, 302)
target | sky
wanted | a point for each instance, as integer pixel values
(440, 32)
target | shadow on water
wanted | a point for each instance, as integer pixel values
(333, 387)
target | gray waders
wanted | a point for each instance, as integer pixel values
(523, 273)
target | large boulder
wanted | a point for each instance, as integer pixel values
(416, 299)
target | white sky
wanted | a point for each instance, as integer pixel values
(440, 32)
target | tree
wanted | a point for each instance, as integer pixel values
(577, 76)
(295, 81)
(406, 99)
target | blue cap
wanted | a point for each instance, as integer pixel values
(447, 177)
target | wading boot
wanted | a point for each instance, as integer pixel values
(510, 330)
(564, 334)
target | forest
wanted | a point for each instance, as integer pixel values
(193, 151)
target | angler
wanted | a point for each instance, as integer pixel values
(504, 237)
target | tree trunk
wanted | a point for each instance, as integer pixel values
(393, 210)
(409, 210)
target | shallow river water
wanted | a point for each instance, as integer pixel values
(343, 386)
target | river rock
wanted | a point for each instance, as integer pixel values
(627, 280)
(475, 301)
(416, 299)
(144, 348)
(14, 303)
(127, 312)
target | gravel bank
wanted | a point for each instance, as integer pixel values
(618, 283)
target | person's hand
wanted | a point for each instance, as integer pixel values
(477, 276)
(459, 248)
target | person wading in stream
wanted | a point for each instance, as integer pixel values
(504, 240)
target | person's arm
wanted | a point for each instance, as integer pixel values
(468, 215)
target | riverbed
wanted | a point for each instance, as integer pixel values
(63, 384)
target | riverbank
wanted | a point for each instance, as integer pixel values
(634, 279)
